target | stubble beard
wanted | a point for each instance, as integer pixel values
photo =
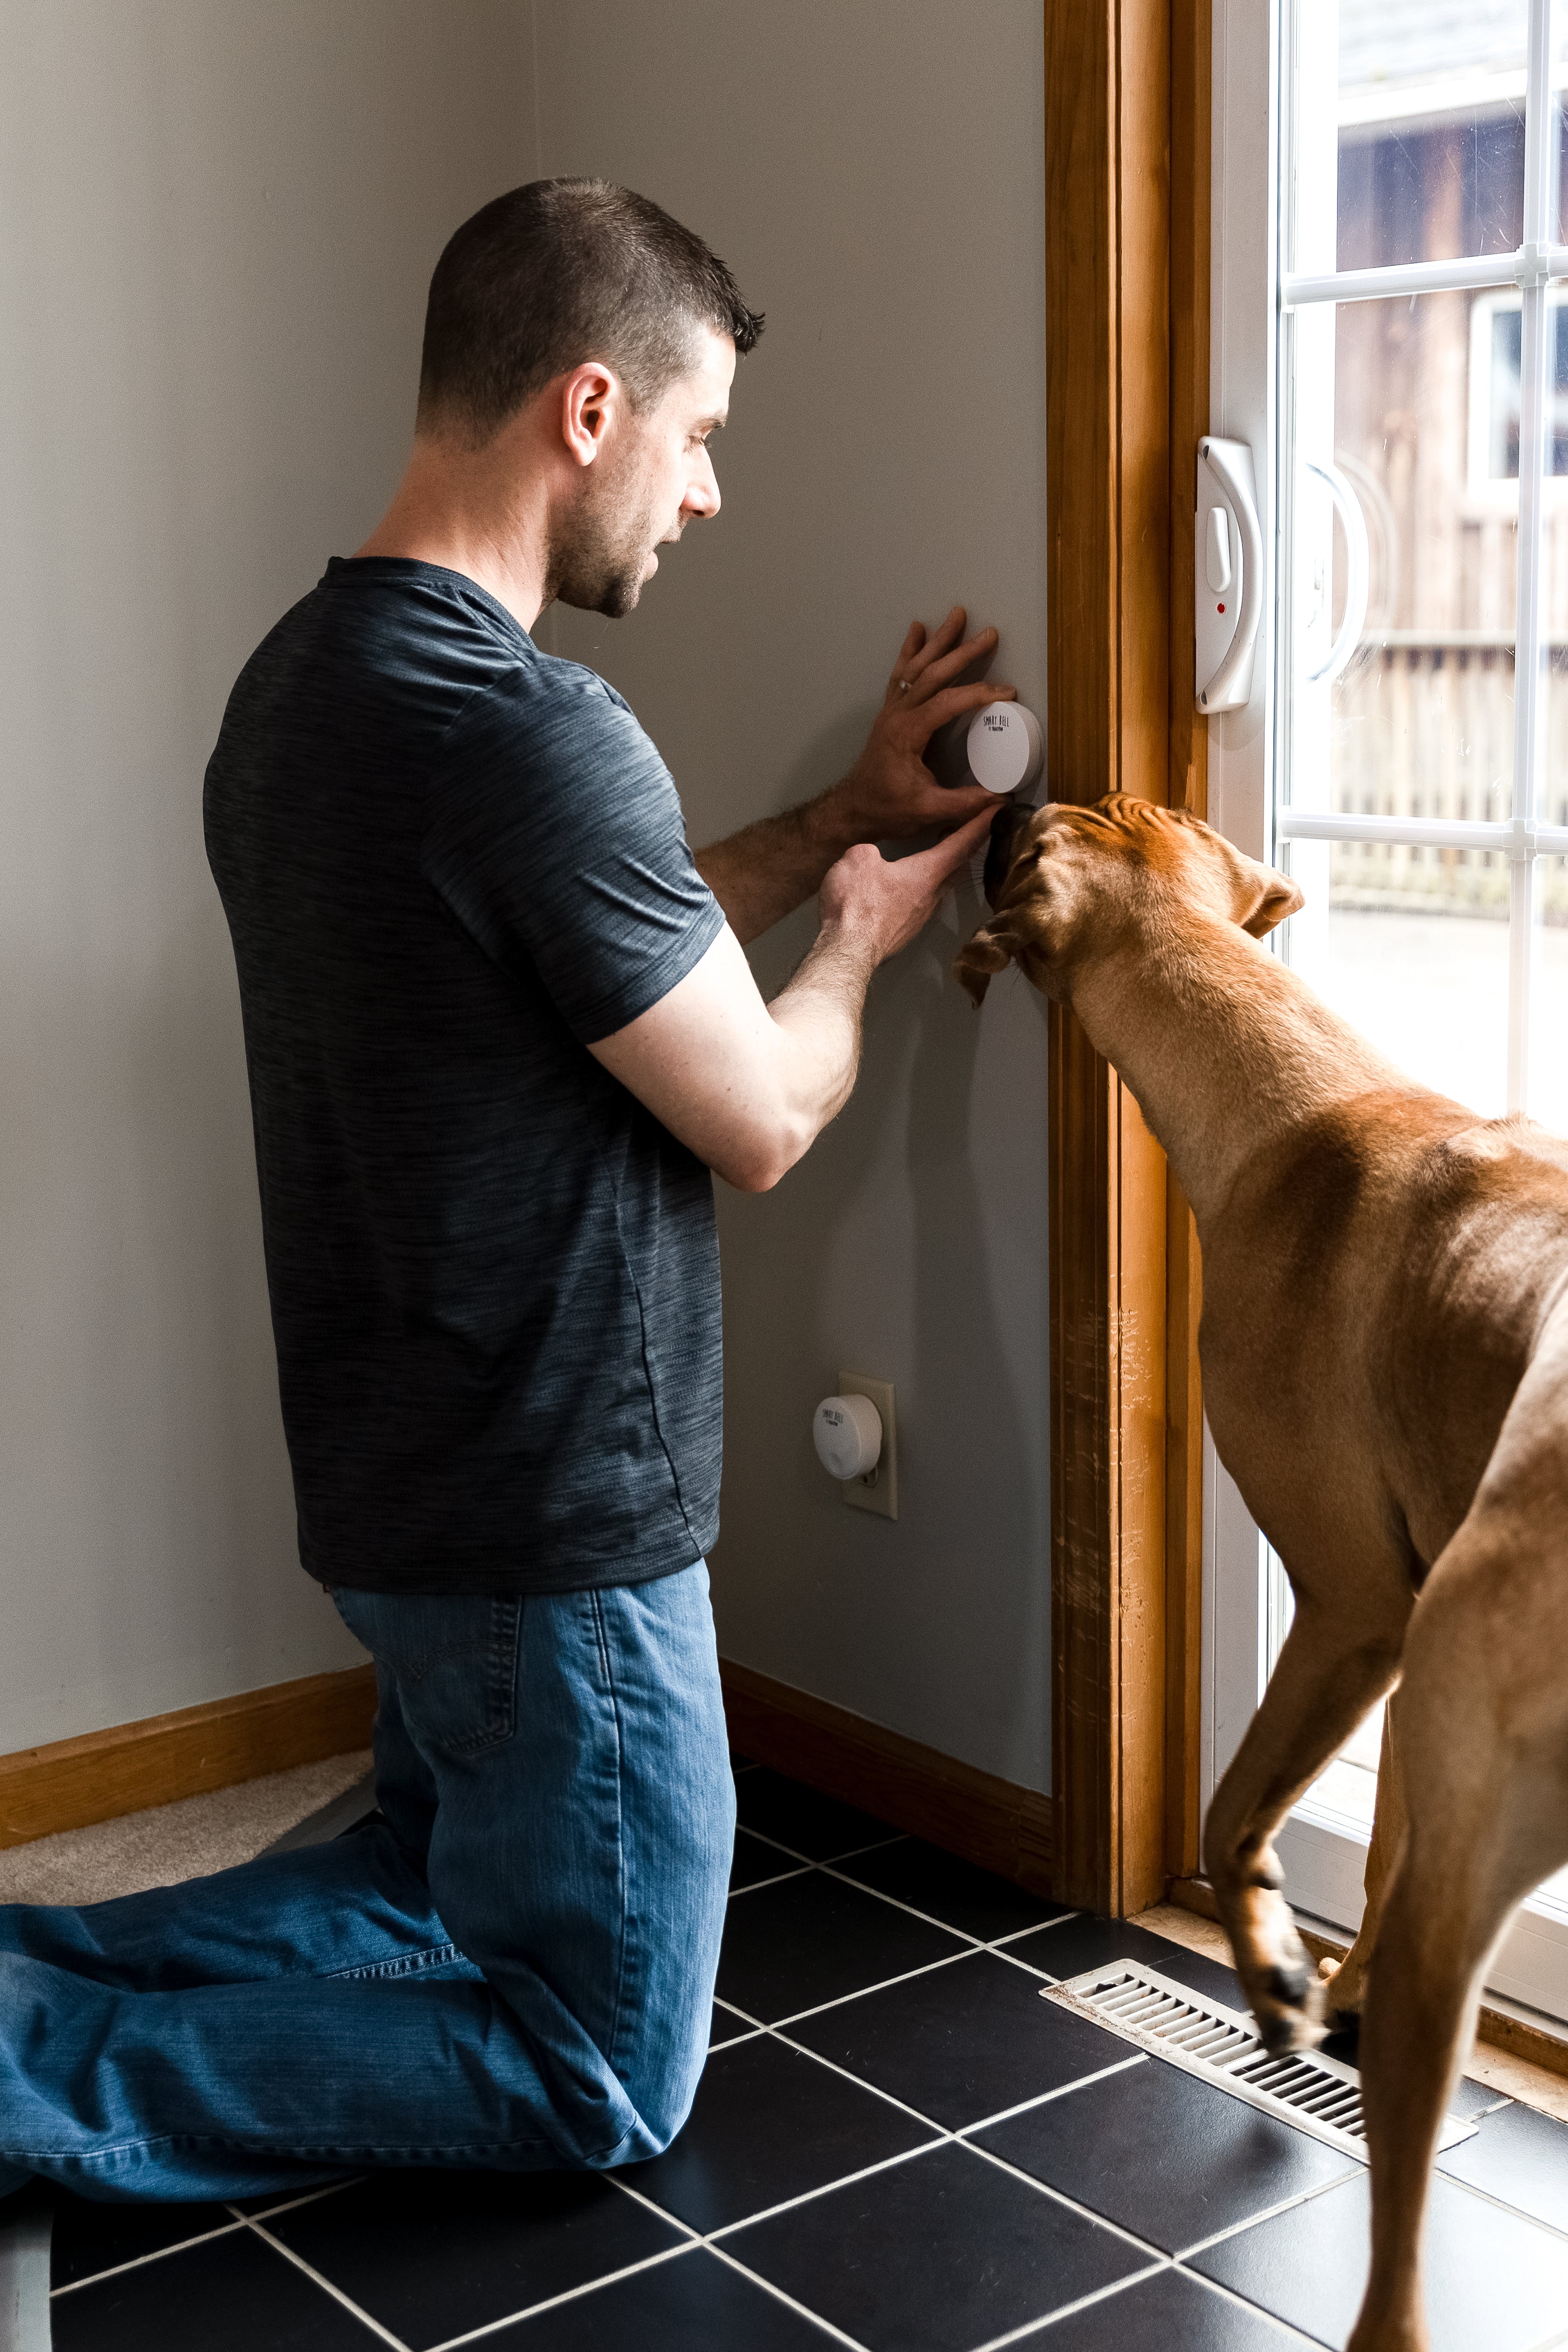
(600, 552)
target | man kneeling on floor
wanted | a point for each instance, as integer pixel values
(499, 1028)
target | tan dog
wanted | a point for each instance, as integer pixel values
(1385, 1351)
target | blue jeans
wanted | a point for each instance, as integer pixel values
(516, 1970)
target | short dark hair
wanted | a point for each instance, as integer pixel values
(562, 271)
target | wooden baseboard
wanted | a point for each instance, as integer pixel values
(73, 1782)
(986, 1820)
(1494, 2026)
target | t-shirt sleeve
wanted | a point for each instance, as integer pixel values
(554, 833)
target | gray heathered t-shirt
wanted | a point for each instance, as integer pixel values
(450, 864)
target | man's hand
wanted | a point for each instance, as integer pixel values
(748, 1087)
(763, 874)
(877, 905)
(890, 793)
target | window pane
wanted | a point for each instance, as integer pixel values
(1431, 130)
(1401, 398)
(1549, 1024)
(1421, 976)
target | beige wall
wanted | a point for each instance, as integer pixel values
(874, 174)
(216, 225)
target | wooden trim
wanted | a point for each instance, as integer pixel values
(1126, 191)
(1495, 2027)
(1191, 54)
(73, 1782)
(989, 1821)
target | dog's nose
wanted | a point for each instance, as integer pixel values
(1005, 830)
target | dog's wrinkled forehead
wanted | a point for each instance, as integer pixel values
(1020, 837)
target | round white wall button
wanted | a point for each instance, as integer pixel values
(1006, 748)
(848, 1433)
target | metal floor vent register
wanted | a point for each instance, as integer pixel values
(1317, 2094)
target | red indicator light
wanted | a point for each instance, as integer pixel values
(1219, 608)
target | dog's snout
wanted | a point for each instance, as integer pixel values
(1007, 830)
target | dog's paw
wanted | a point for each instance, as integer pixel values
(1343, 1985)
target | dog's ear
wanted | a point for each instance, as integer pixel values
(1278, 896)
(979, 961)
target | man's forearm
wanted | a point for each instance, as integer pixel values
(819, 1015)
(765, 872)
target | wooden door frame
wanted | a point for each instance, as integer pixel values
(1127, 357)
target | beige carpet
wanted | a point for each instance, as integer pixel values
(169, 1842)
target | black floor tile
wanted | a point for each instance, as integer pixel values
(957, 1893)
(432, 2254)
(819, 1827)
(812, 1940)
(231, 2294)
(1521, 2157)
(1169, 2158)
(963, 2042)
(1492, 2280)
(89, 2238)
(1084, 1942)
(769, 2124)
(937, 2254)
(1171, 2311)
(694, 2304)
(755, 1861)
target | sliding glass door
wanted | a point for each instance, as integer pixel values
(1391, 338)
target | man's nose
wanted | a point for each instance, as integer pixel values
(702, 490)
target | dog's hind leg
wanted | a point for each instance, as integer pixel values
(1484, 1734)
(1329, 1674)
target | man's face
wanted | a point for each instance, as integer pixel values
(652, 476)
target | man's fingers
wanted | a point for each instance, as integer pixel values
(937, 669)
(949, 854)
(914, 638)
(953, 701)
(939, 641)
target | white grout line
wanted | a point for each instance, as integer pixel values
(926, 1969)
(809, 2196)
(1258, 2310)
(1490, 2197)
(1029, 1968)
(1027, 2107)
(1068, 2310)
(293, 2204)
(139, 2261)
(1060, 2197)
(853, 1853)
(1038, 1928)
(570, 2295)
(755, 1886)
(723, 2255)
(1269, 2213)
(831, 1870)
(318, 2278)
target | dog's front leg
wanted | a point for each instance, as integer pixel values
(1326, 1678)
(1346, 1978)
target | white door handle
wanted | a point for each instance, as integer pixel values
(1353, 619)
(1229, 541)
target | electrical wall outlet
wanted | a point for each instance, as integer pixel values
(879, 1489)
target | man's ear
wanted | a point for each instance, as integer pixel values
(1278, 896)
(979, 961)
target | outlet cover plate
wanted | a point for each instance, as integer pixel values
(879, 1489)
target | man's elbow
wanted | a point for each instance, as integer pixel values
(759, 1159)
